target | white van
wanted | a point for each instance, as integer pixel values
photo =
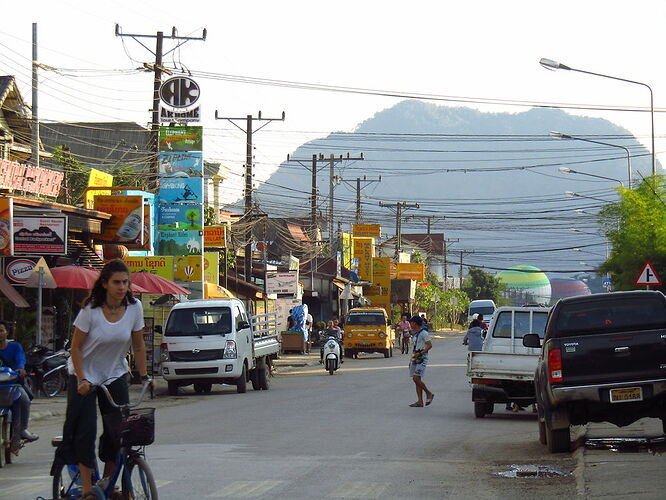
(485, 307)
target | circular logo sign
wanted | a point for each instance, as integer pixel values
(19, 270)
(179, 92)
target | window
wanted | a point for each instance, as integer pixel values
(485, 310)
(522, 324)
(366, 319)
(198, 321)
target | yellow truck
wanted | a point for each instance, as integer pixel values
(368, 329)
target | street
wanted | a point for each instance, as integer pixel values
(350, 435)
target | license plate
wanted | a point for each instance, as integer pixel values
(626, 395)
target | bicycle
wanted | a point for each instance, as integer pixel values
(136, 431)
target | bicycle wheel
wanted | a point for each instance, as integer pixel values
(66, 483)
(138, 481)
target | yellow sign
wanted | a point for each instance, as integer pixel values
(161, 266)
(6, 240)
(187, 268)
(212, 267)
(347, 250)
(97, 178)
(381, 301)
(410, 271)
(214, 236)
(126, 225)
(364, 251)
(381, 274)
(366, 230)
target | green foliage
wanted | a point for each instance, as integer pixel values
(76, 176)
(636, 228)
(482, 285)
(209, 216)
(442, 307)
(127, 176)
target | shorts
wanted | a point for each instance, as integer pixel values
(418, 369)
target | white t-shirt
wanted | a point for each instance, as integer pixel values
(106, 343)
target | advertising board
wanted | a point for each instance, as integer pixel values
(181, 164)
(126, 223)
(6, 241)
(179, 218)
(281, 283)
(39, 235)
(179, 242)
(364, 251)
(181, 190)
(366, 230)
(181, 138)
(159, 265)
(95, 179)
(18, 270)
(215, 236)
(410, 271)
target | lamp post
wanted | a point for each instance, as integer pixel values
(552, 65)
(559, 135)
(566, 170)
(571, 194)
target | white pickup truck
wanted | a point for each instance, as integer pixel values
(503, 371)
(214, 341)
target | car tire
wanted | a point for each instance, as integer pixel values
(542, 431)
(263, 376)
(254, 379)
(479, 410)
(241, 382)
(558, 440)
(663, 425)
(490, 407)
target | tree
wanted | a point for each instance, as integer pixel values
(76, 176)
(126, 175)
(636, 228)
(441, 307)
(482, 285)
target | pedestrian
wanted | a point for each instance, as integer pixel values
(403, 334)
(12, 356)
(474, 337)
(308, 326)
(110, 321)
(419, 360)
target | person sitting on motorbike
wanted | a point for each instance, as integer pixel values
(12, 355)
(332, 330)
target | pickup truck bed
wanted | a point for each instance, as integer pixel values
(502, 365)
(267, 345)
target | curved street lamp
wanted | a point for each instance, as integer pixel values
(553, 65)
(571, 194)
(559, 135)
(566, 170)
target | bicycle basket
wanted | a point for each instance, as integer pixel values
(138, 428)
(8, 394)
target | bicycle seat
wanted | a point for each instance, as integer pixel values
(56, 441)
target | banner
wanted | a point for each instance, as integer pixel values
(126, 223)
(410, 271)
(40, 235)
(97, 178)
(347, 250)
(159, 265)
(181, 138)
(181, 164)
(366, 230)
(6, 240)
(179, 243)
(215, 236)
(181, 190)
(212, 267)
(364, 251)
(179, 218)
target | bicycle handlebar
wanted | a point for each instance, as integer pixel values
(105, 389)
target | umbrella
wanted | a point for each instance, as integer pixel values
(74, 277)
(153, 283)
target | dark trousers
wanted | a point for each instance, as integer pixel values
(80, 427)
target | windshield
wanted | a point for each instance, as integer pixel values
(199, 321)
(522, 324)
(485, 310)
(366, 319)
(625, 313)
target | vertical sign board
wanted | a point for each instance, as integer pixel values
(364, 251)
(381, 280)
(126, 225)
(97, 178)
(366, 230)
(6, 223)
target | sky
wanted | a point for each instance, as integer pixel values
(478, 50)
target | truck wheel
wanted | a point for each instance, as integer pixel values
(172, 388)
(386, 353)
(254, 378)
(663, 425)
(558, 440)
(490, 407)
(263, 376)
(542, 431)
(479, 410)
(241, 382)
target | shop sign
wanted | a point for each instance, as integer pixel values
(35, 180)
(180, 242)
(179, 218)
(181, 190)
(19, 270)
(97, 178)
(212, 267)
(126, 223)
(188, 268)
(366, 230)
(159, 265)
(364, 251)
(181, 164)
(282, 283)
(6, 242)
(410, 271)
(181, 138)
(215, 236)
(40, 235)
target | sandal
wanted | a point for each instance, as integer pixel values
(416, 405)
(89, 496)
(429, 400)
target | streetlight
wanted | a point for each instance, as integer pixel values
(592, 253)
(552, 65)
(559, 135)
(571, 194)
(566, 170)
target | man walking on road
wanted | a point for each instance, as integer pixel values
(419, 360)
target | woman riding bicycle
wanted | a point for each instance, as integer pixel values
(403, 331)
(110, 319)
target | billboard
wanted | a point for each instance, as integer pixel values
(97, 178)
(282, 283)
(179, 243)
(364, 251)
(181, 164)
(179, 218)
(215, 236)
(18, 270)
(212, 267)
(39, 235)
(366, 230)
(181, 138)
(187, 268)
(126, 223)
(410, 271)
(181, 190)
(159, 265)
(6, 241)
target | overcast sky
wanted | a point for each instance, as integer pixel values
(480, 50)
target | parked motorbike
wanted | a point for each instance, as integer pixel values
(9, 387)
(331, 355)
(46, 370)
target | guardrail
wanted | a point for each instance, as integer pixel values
(264, 325)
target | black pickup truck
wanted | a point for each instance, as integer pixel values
(603, 360)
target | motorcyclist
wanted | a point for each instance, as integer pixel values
(404, 333)
(335, 332)
(12, 355)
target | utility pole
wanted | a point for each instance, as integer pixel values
(35, 111)
(358, 181)
(399, 206)
(446, 267)
(157, 70)
(461, 264)
(332, 180)
(249, 119)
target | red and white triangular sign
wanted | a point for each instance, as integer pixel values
(648, 276)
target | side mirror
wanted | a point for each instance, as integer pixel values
(158, 329)
(388, 323)
(242, 325)
(532, 340)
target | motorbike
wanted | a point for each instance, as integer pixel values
(9, 387)
(331, 355)
(46, 370)
(404, 342)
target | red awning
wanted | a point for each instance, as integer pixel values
(8, 291)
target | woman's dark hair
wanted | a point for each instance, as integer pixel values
(97, 295)
(7, 326)
(475, 322)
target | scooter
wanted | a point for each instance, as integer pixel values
(47, 370)
(9, 387)
(331, 356)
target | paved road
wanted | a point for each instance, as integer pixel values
(347, 436)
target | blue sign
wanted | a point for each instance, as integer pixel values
(180, 217)
(181, 164)
(181, 190)
(606, 282)
(180, 242)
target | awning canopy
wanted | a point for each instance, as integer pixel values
(10, 292)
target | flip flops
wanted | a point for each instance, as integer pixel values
(416, 405)
(429, 400)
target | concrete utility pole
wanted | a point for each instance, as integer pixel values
(332, 180)
(35, 94)
(461, 264)
(157, 69)
(249, 119)
(358, 181)
(446, 267)
(399, 206)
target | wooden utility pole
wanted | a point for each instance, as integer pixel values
(35, 95)
(249, 119)
(399, 206)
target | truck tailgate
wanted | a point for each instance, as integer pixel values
(613, 357)
(501, 366)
